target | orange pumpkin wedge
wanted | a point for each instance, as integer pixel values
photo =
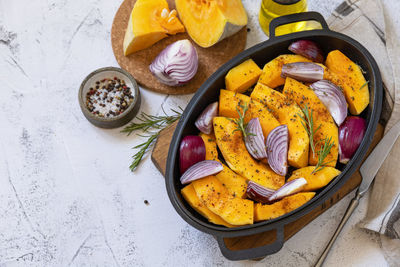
(208, 21)
(149, 22)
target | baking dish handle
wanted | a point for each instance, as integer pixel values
(297, 17)
(253, 253)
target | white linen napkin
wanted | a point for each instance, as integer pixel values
(375, 25)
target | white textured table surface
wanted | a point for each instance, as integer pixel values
(67, 196)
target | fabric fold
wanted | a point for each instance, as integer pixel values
(375, 25)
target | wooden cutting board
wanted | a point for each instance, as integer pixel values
(137, 64)
(159, 158)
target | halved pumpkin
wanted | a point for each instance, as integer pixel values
(191, 197)
(210, 21)
(149, 22)
(304, 95)
(287, 112)
(315, 180)
(234, 151)
(271, 74)
(215, 196)
(235, 183)
(267, 212)
(229, 104)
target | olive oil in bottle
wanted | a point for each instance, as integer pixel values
(271, 9)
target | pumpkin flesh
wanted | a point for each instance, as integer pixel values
(149, 22)
(287, 112)
(233, 149)
(215, 196)
(243, 76)
(267, 212)
(230, 102)
(350, 78)
(194, 201)
(271, 74)
(210, 21)
(234, 183)
(315, 180)
(304, 95)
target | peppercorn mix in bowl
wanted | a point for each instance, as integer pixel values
(109, 97)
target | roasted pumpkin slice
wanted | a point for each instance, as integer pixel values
(264, 212)
(149, 22)
(287, 112)
(191, 197)
(242, 77)
(304, 95)
(317, 179)
(230, 102)
(211, 146)
(235, 183)
(215, 196)
(271, 74)
(233, 149)
(350, 78)
(208, 21)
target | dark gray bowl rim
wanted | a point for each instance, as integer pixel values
(82, 101)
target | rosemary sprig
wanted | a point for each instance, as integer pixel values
(146, 123)
(152, 121)
(308, 123)
(143, 148)
(322, 154)
(365, 84)
(240, 125)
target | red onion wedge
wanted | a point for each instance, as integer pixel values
(205, 121)
(258, 192)
(176, 64)
(308, 49)
(254, 141)
(200, 170)
(288, 189)
(333, 99)
(277, 149)
(351, 133)
(191, 151)
(303, 71)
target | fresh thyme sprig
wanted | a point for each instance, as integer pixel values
(308, 123)
(323, 153)
(149, 122)
(240, 125)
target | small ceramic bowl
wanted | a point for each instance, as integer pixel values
(121, 119)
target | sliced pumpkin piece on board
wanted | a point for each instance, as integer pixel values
(233, 149)
(215, 196)
(235, 183)
(264, 212)
(191, 197)
(243, 76)
(315, 180)
(287, 112)
(352, 80)
(230, 102)
(304, 95)
(271, 74)
(149, 22)
(208, 22)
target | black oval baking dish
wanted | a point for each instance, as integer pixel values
(209, 92)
